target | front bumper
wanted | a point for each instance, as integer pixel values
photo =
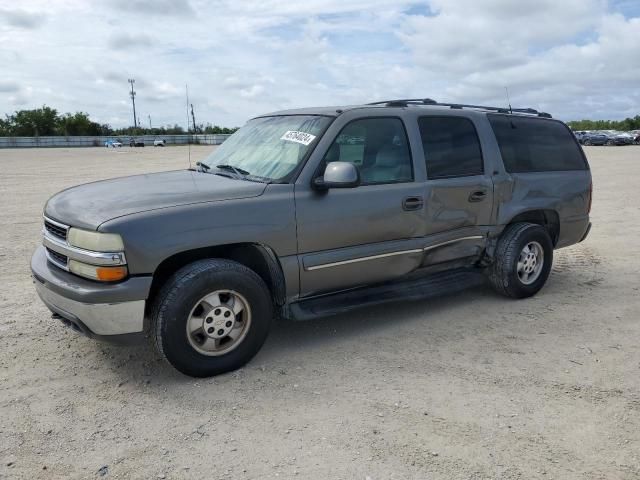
(112, 312)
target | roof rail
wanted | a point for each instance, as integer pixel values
(428, 101)
(405, 102)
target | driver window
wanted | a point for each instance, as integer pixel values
(378, 147)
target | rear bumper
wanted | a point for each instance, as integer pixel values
(586, 234)
(111, 312)
(573, 230)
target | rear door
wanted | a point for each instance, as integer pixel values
(458, 191)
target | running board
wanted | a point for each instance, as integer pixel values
(434, 285)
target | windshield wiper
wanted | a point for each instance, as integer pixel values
(238, 171)
(204, 167)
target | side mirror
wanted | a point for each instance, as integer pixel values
(338, 175)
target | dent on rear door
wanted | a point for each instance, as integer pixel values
(456, 226)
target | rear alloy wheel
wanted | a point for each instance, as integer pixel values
(611, 143)
(211, 317)
(530, 263)
(522, 260)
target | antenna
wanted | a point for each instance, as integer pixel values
(506, 89)
(186, 87)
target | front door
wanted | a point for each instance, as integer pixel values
(354, 236)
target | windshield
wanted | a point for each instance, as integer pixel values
(269, 147)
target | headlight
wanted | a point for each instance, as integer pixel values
(95, 241)
(95, 272)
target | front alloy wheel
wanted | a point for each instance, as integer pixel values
(219, 322)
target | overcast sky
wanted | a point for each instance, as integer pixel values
(574, 58)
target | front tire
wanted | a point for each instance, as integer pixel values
(522, 260)
(211, 317)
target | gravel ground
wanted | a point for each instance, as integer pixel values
(469, 386)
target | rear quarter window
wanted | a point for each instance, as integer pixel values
(536, 144)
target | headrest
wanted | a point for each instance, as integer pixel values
(389, 156)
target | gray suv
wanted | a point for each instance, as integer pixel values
(311, 212)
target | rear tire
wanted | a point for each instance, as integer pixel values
(186, 301)
(522, 262)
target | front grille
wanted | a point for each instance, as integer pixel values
(57, 258)
(56, 230)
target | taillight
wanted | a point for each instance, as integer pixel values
(590, 196)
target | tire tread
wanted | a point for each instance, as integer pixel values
(506, 251)
(171, 289)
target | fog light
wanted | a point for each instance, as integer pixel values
(94, 272)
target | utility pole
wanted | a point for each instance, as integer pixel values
(150, 127)
(133, 101)
(193, 117)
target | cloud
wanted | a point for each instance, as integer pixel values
(161, 92)
(123, 41)
(252, 91)
(575, 59)
(18, 100)
(545, 61)
(467, 35)
(155, 7)
(8, 86)
(22, 18)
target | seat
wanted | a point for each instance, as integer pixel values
(392, 165)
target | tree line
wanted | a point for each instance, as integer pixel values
(46, 121)
(622, 125)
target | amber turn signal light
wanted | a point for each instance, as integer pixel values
(111, 274)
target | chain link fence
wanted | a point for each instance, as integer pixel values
(100, 141)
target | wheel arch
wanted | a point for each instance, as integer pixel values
(545, 217)
(258, 257)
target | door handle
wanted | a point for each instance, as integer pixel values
(412, 203)
(478, 196)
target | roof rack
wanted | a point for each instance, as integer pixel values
(405, 102)
(429, 101)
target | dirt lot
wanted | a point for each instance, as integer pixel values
(470, 386)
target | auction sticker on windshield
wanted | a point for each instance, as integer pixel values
(298, 137)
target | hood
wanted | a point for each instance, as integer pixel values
(91, 204)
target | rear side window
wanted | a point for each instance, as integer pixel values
(451, 147)
(536, 145)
